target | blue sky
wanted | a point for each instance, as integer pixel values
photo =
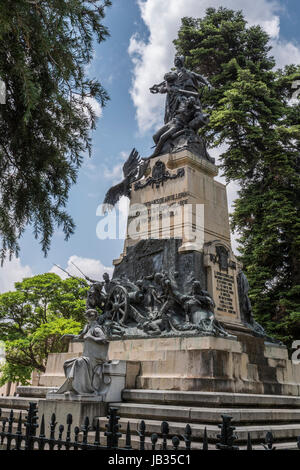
(136, 55)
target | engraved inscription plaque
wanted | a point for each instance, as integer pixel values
(222, 270)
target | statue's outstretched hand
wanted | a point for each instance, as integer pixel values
(154, 89)
(67, 337)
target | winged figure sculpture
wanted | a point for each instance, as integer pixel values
(133, 169)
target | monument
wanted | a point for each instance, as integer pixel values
(177, 304)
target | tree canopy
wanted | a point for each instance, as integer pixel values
(33, 319)
(253, 117)
(46, 46)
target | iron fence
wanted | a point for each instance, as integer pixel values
(14, 437)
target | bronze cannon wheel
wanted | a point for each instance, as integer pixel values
(119, 304)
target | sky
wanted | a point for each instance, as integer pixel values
(137, 55)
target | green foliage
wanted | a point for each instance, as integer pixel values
(252, 116)
(34, 317)
(46, 46)
(15, 373)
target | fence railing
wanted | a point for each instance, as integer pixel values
(12, 436)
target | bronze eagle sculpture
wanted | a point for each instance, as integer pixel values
(133, 169)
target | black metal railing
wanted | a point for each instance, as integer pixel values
(14, 437)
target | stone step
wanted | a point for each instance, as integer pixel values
(207, 415)
(34, 392)
(17, 403)
(282, 432)
(210, 399)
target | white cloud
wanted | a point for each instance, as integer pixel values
(11, 272)
(153, 57)
(90, 267)
(286, 53)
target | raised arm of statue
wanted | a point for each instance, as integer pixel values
(160, 88)
(201, 79)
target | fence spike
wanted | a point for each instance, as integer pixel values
(76, 432)
(85, 429)
(4, 424)
(128, 437)
(19, 428)
(76, 436)
(68, 435)
(175, 442)
(142, 434)
(97, 434)
(187, 436)
(165, 433)
(53, 424)
(69, 419)
(227, 436)
(10, 421)
(18, 439)
(60, 431)
(42, 429)
(31, 426)
(112, 433)
(41, 441)
(269, 440)
(205, 440)
(154, 439)
(249, 442)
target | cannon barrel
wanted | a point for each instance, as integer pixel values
(135, 296)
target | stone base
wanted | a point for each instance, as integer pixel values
(121, 375)
(242, 365)
(78, 406)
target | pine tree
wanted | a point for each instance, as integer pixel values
(46, 46)
(252, 115)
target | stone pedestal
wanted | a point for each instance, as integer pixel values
(242, 365)
(118, 375)
(178, 223)
(82, 406)
(78, 406)
(172, 182)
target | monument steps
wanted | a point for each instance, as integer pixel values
(283, 419)
(210, 399)
(254, 414)
(207, 415)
